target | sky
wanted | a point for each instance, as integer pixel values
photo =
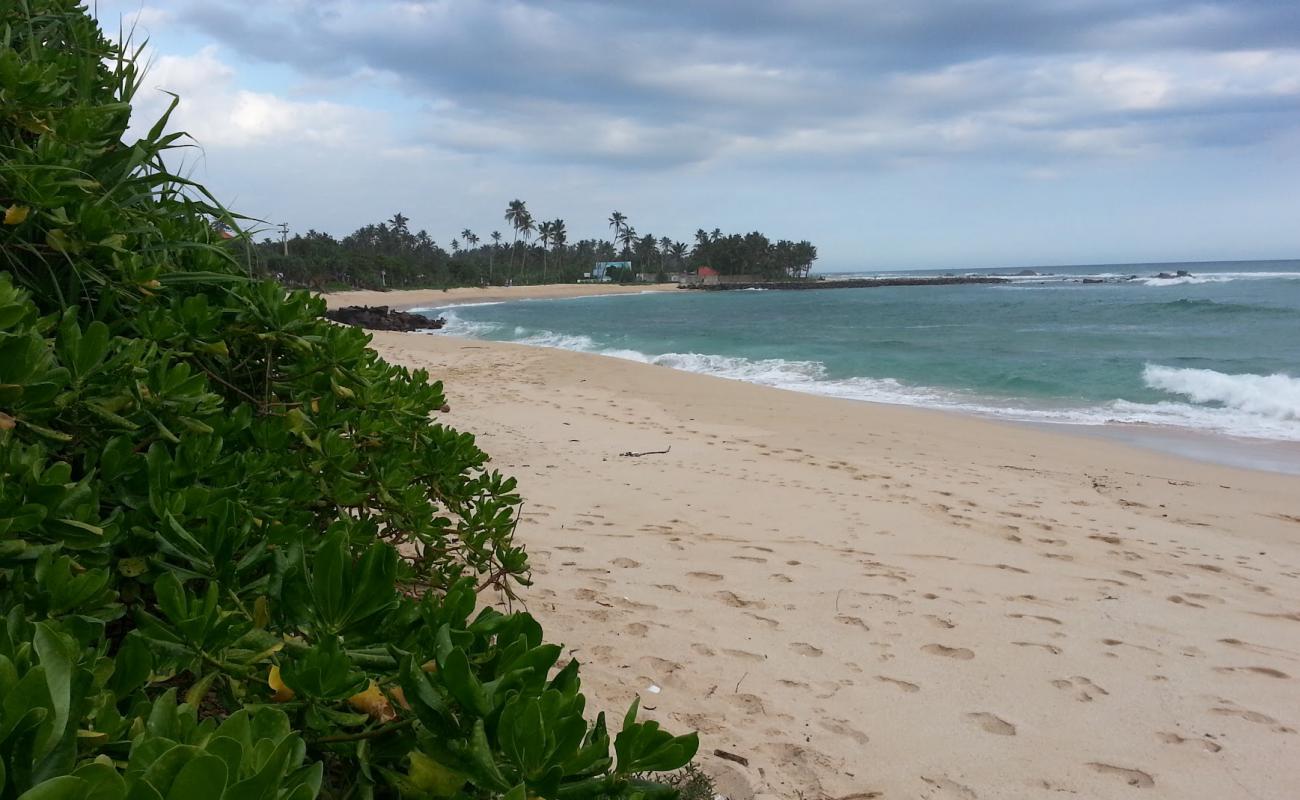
(893, 135)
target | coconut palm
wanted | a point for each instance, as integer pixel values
(545, 235)
(617, 221)
(515, 212)
(558, 237)
(496, 244)
(679, 253)
(627, 238)
(526, 227)
(665, 245)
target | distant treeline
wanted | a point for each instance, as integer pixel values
(390, 255)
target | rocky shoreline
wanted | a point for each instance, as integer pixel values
(383, 318)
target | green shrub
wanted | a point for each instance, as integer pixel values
(237, 557)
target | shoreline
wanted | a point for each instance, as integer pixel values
(862, 598)
(1271, 456)
(407, 299)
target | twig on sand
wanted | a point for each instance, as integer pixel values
(723, 754)
(630, 454)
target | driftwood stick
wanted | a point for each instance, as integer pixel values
(630, 454)
(741, 760)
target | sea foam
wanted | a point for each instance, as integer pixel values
(1275, 396)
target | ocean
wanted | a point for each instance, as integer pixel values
(1214, 353)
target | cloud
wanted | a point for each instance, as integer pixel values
(677, 83)
(217, 113)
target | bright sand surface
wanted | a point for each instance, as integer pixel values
(433, 298)
(869, 601)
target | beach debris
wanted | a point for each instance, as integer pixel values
(653, 689)
(630, 454)
(382, 318)
(725, 756)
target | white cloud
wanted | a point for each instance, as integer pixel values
(217, 113)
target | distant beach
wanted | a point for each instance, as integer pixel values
(406, 299)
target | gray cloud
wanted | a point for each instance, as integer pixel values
(676, 82)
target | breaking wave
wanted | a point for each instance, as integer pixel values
(1271, 396)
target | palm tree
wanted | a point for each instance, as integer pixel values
(617, 221)
(627, 237)
(679, 253)
(515, 212)
(496, 243)
(545, 234)
(526, 227)
(665, 244)
(558, 237)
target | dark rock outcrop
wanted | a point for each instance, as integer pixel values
(382, 318)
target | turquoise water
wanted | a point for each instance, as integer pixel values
(1216, 352)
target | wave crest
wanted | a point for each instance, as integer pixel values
(1274, 396)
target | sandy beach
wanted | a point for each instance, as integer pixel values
(866, 601)
(425, 298)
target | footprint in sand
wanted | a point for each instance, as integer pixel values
(805, 649)
(843, 728)
(1051, 620)
(625, 563)
(1085, 691)
(1051, 648)
(844, 619)
(736, 601)
(704, 576)
(1133, 777)
(1250, 716)
(961, 653)
(947, 789)
(750, 704)
(1267, 671)
(906, 686)
(1173, 738)
(992, 723)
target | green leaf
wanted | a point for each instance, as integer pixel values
(58, 654)
(65, 787)
(203, 778)
(103, 781)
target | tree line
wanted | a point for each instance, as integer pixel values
(390, 254)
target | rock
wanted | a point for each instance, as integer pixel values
(1026, 273)
(1094, 280)
(381, 318)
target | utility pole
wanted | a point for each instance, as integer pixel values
(284, 237)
